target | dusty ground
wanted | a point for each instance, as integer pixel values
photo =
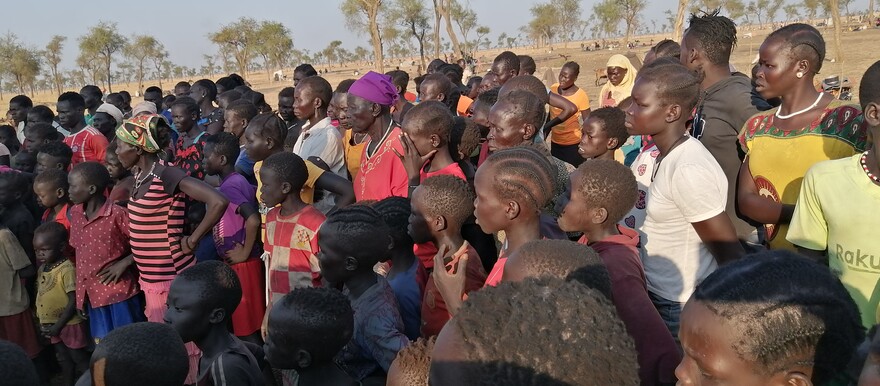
(858, 51)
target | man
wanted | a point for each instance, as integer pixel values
(86, 142)
(93, 97)
(437, 87)
(182, 89)
(285, 110)
(726, 104)
(19, 106)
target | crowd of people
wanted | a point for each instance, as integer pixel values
(699, 226)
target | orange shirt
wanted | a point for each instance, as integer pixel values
(352, 154)
(569, 132)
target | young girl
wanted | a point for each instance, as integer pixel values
(565, 136)
(56, 304)
(156, 213)
(512, 186)
(123, 181)
(189, 153)
(754, 322)
(16, 316)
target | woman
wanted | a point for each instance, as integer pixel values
(621, 77)
(156, 213)
(566, 136)
(782, 143)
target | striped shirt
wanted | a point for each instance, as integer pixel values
(156, 227)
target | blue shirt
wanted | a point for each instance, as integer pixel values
(409, 300)
(245, 166)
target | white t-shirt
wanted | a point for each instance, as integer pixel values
(689, 187)
(642, 167)
(324, 141)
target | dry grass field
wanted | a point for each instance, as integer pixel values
(857, 47)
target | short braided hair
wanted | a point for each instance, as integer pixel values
(561, 259)
(525, 83)
(242, 108)
(430, 118)
(448, 196)
(508, 61)
(225, 144)
(524, 106)
(608, 184)
(785, 309)
(804, 42)
(675, 83)
(395, 211)
(522, 174)
(716, 35)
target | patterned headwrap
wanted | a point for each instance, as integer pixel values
(140, 131)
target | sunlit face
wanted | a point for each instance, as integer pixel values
(616, 75)
(573, 207)
(594, 141)
(505, 130)
(183, 119)
(489, 208)
(126, 154)
(233, 124)
(502, 73)
(777, 70)
(358, 114)
(303, 102)
(68, 114)
(567, 77)
(337, 103)
(429, 91)
(646, 114)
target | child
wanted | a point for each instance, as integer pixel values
(292, 226)
(688, 234)
(25, 161)
(351, 241)
(123, 181)
(604, 132)
(200, 305)
(236, 235)
(407, 276)
(9, 139)
(400, 79)
(566, 135)
(601, 193)
(412, 364)
(53, 155)
(440, 206)
(13, 213)
(464, 139)
(559, 259)
(56, 301)
(510, 192)
(107, 288)
(317, 138)
(493, 339)
(236, 118)
(39, 134)
(51, 187)
(140, 354)
(190, 146)
(16, 267)
(307, 329)
(205, 250)
(759, 318)
(204, 92)
(829, 222)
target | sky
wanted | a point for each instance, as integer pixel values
(313, 23)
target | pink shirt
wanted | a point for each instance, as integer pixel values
(382, 175)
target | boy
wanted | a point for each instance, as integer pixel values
(107, 286)
(236, 235)
(317, 138)
(425, 141)
(437, 87)
(600, 194)
(140, 354)
(292, 225)
(53, 155)
(201, 301)
(236, 118)
(352, 240)
(25, 161)
(50, 187)
(39, 134)
(464, 139)
(43, 114)
(830, 223)
(204, 92)
(92, 97)
(86, 142)
(400, 79)
(440, 206)
(688, 234)
(307, 328)
(285, 110)
(604, 132)
(13, 214)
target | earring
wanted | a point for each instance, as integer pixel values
(800, 75)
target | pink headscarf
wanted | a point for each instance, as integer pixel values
(376, 88)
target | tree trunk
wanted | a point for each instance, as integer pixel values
(437, 17)
(456, 46)
(835, 16)
(376, 37)
(629, 34)
(679, 19)
(109, 75)
(871, 12)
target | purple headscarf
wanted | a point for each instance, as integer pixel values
(376, 88)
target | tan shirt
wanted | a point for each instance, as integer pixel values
(13, 296)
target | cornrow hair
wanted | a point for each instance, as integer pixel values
(395, 211)
(869, 87)
(524, 106)
(224, 144)
(190, 104)
(464, 138)
(320, 320)
(93, 173)
(613, 122)
(501, 345)
(574, 66)
(508, 61)
(447, 196)
(414, 361)
(522, 174)
(430, 118)
(675, 83)
(528, 83)
(360, 232)
(290, 168)
(716, 35)
(269, 126)
(219, 285)
(56, 177)
(667, 48)
(560, 259)
(778, 321)
(804, 41)
(608, 184)
(243, 109)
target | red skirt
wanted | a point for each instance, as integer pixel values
(248, 316)
(21, 330)
(74, 336)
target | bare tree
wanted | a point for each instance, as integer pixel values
(678, 25)
(139, 50)
(52, 56)
(835, 16)
(364, 15)
(412, 15)
(103, 42)
(272, 43)
(238, 38)
(630, 10)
